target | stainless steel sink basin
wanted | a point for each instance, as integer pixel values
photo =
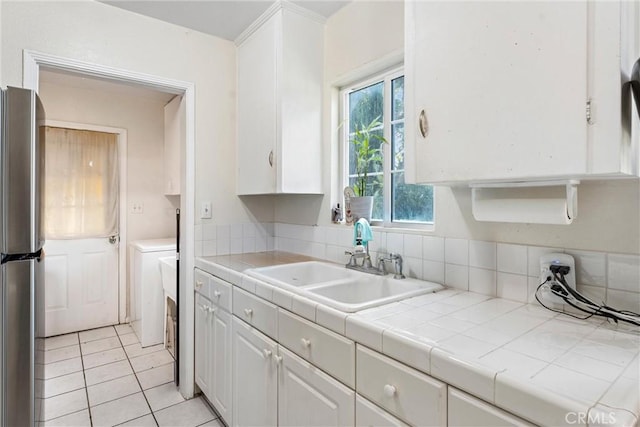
(345, 290)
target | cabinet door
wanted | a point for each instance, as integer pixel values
(256, 156)
(465, 410)
(220, 379)
(370, 415)
(503, 87)
(202, 346)
(255, 377)
(309, 397)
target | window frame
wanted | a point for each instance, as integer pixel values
(387, 77)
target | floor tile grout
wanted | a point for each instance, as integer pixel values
(129, 359)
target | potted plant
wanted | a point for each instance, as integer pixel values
(368, 158)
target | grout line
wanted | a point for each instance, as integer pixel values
(135, 374)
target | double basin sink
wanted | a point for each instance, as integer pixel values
(345, 290)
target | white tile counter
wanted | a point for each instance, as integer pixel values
(545, 367)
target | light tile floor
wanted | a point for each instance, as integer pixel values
(103, 377)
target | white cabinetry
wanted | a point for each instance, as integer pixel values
(213, 342)
(406, 393)
(370, 415)
(501, 90)
(280, 63)
(174, 136)
(467, 411)
(255, 377)
(309, 397)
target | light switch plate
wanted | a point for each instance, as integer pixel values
(205, 210)
(137, 208)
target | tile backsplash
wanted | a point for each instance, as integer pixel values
(505, 270)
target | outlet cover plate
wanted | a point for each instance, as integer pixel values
(546, 261)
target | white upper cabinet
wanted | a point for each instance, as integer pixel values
(174, 135)
(501, 90)
(280, 68)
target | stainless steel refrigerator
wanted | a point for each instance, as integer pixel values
(21, 241)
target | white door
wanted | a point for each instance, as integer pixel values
(81, 230)
(255, 377)
(309, 397)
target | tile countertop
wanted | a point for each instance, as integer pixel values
(548, 368)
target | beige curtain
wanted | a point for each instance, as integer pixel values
(81, 184)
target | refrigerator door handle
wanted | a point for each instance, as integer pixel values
(21, 257)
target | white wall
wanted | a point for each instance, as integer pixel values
(363, 32)
(143, 118)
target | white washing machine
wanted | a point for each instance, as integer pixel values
(146, 295)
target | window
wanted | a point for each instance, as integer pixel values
(378, 104)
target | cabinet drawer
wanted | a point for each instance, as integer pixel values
(256, 312)
(201, 283)
(408, 394)
(370, 415)
(325, 349)
(466, 410)
(220, 293)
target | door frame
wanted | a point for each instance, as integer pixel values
(33, 61)
(122, 202)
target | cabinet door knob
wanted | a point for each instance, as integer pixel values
(423, 124)
(199, 284)
(389, 390)
(248, 312)
(305, 342)
(217, 294)
(278, 359)
(271, 158)
(267, 353)
(211, 310)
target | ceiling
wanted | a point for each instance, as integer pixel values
(222, 18)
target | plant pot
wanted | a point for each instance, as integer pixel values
(361, 207)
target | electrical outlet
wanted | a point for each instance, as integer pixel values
(546, 261)
(137, 208)
(205, 210)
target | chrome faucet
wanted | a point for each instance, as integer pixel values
(396, 259)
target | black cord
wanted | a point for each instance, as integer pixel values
(596, 309)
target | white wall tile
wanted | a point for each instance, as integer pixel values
(395, 243)
(235, 231)
(482, 254)
(318, 234)
(222, 246)
(412, 267)
(331, 235)
(271, 244)
(198, 248)
(261, 243)
(457, 276)
(597, 294)
(433, 271)
(248, 244)
(482, 281)
(209, 248)
(249, 229)
(433, 248)
(235, 246)
(621, 300)
(379, 242)
(512, 258)
(590, 267)
(512, 286)
(222, 232)
(456, 251)
(412, 246)
(318, 250)
(624, 272)
(209, 231)
(345, 236)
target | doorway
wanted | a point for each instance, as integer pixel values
(82, 226)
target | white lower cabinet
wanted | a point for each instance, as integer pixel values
(309, 397)
(370, 415)
(410, 395)
(213, 354)
(467, 411)
(255, 377)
